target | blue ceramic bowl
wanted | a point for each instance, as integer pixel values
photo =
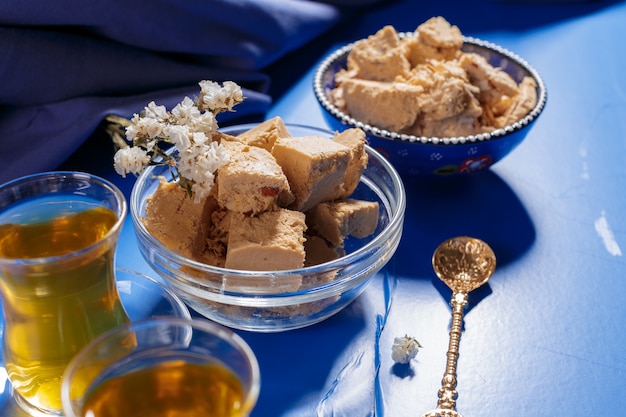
(432, 156)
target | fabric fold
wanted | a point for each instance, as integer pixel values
(39, 138)
(67, 64)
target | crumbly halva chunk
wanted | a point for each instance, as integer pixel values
(252, 181)
(216, 242)
(354, 140)
(335, 220)
(315, 168)
(265, 134)
(394, 106)
(436, 40)
(492, 83)
(380, 57)
(175, 220)
(271, 241)
(318, 250)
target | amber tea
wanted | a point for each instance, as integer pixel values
(175, 388)
(163, 367)
(58, 289)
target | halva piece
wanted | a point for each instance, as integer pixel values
(270, 241)
(265, 134)
(318, 250)
(381, 57)
(335, 220)
(176, 221)
(393, 106)
(251, 181)
(354, 140)
(436, 40)
(315, 168)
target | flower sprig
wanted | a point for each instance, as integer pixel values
(404, 349)
(189, 126)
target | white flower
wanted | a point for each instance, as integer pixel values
(404, 349)
(205, 122)
(186, 112)
(130, 160)
(233, 94)
(202, 189)
(200, 138)
(179, 136)
(213, 158)
(151, 128)
(132, 130)
(216, 98)
(152, 111)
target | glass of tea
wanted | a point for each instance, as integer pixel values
(163, 367)
(58, 235)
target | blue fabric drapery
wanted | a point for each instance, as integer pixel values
(66, 64)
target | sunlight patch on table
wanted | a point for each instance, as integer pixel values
(606, 234)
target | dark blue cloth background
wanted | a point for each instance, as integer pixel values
(66, 64)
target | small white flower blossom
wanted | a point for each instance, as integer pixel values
(186, 112)
(179, 136)
(404, 349)
(152, 111)
(200, 139)
(130, 160)
(132, 130)
(233, 94)
(151, 128)
(217, 98)
(202, 189)
(205, 122)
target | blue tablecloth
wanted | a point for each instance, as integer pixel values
(544, 337)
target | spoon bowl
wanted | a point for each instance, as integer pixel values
(464, 263)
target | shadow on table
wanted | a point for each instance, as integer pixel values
(481, 205)
(297, 362)
(482, 15)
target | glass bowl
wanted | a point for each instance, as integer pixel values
(273, 301)
(429, 157)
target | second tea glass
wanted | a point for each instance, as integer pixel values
(163, 367)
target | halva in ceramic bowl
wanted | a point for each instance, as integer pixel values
(449, 115)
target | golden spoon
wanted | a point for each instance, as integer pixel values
(463, 264)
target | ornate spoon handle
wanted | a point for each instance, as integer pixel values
(448, 393)
(446, 405)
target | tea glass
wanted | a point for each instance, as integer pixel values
(58, 235)
(163, 366)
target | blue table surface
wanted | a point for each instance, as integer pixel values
(545, 336)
